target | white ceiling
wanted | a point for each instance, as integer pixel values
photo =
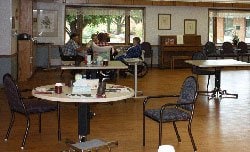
(213, 1)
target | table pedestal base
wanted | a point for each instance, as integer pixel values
(218, 93)
(91, 145)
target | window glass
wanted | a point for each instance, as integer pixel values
(226, 25)
(247, 28)
(114, 21)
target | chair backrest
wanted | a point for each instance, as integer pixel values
(188, 93)
(60, 51)
(13, 95)
(210, 48)
(146, 46)
(243, 47)
(198, 56)
(227, 47)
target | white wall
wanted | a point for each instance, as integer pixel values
(178, 14)
(14, 29)
(5, 27)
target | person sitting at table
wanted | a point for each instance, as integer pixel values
(103, 39)
(94, 39)
(72, 48)
(132, 52)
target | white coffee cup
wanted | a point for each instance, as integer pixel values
(88, 59)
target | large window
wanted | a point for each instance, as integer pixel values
(122, 24)
(224, 25)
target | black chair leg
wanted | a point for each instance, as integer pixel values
(10, 125)
(59, 136)
(208, 82)
(151, 61)
(160, 133)
(191, 136)
(40, 122)
(143, 130)
(61, 73)
(26, 132)
(176, 132)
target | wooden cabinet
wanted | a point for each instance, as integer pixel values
(25, 59)
(171, 48)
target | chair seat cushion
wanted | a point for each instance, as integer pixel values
(38, 106)
(169, 114)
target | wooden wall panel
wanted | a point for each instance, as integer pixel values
(142, 2)
(161, 3)
(25, 59)
(76, 1)
(223, 5)
(204, 4)
(100, 1)
(113, 2)
(238, 5)
(122, 2)
(184, 4)
(25, 11)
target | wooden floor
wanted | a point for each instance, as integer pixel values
(218, 126)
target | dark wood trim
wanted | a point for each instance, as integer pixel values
(8, 56)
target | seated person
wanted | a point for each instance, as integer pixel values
(103, 39)
(133, 52)
(101, 47)
(72, 48)
(94, 39)
(89, 45)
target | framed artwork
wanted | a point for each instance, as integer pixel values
(190, 26)
(46, 23)
(164, 21)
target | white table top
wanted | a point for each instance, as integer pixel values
(111, 65)
(124, 93)
(217, 63)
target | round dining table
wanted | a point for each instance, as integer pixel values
(112, 93)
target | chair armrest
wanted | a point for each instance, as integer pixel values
(158, 96)
(175, 104)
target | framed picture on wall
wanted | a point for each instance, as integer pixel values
(46, 23)
(164, 21)
(190, 26)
